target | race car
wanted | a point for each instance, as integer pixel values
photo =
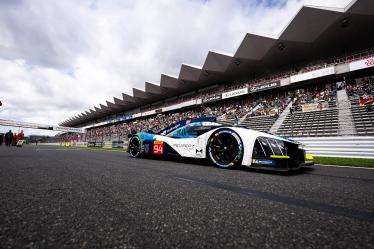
(224, 146)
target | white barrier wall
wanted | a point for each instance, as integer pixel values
(349, 147)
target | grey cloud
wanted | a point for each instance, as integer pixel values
(42, 34)
(64, 57)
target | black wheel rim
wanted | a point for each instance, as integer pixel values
(224, 149)
(134, 147)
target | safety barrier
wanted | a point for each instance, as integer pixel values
(95, 144)
(348, 147)
(117, 144)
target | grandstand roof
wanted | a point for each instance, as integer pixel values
(314, 33)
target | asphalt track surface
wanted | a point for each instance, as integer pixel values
(71, 198)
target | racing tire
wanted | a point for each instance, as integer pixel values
(225, 148)
(134, 147)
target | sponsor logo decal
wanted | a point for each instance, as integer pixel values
(263, 161)
(313, 74)
(199, 152)
(146, 148)
(235, 93)
(212, 98)
(158, 148)
(183, 145)
(264, 86)
(365, 63)
(168, 130)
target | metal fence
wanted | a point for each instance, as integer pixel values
(349, 147)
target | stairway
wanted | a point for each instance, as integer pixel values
(277, 124)
(228, 121)
(346, 124)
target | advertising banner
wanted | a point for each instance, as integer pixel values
(313, 74)
(264, 86)
(127, 117)
(315, 107)
(147, 113)
(367, 101)
(95, 144)
(365, 63)
(136, 115)
(68, 129)
(235, 93)
(212, 98)
(180, 105)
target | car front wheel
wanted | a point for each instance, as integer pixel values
(225, 148)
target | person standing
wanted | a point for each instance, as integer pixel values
(8, 138)
(1, 139)
(21, 138)
(14, 139)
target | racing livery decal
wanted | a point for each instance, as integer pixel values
(158, 148)
(223, 146)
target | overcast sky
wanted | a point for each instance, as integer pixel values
(59, 58)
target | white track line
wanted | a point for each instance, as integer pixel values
(342, 166)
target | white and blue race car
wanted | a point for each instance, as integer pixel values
(223, 146)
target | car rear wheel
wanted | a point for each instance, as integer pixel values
(225, 148)
(134, 147)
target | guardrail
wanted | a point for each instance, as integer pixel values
(349, 147)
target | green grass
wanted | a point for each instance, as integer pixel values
(357, 162)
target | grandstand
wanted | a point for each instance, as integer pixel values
(311, 124)
(303, 83)
(360, 90)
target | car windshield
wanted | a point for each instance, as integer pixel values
(193, 130)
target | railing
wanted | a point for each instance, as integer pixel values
(348, 147)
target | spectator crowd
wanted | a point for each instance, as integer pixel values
(361, 88)
(271, 104)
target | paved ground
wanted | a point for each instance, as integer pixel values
(69, 198)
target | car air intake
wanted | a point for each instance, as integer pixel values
(270, 148)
